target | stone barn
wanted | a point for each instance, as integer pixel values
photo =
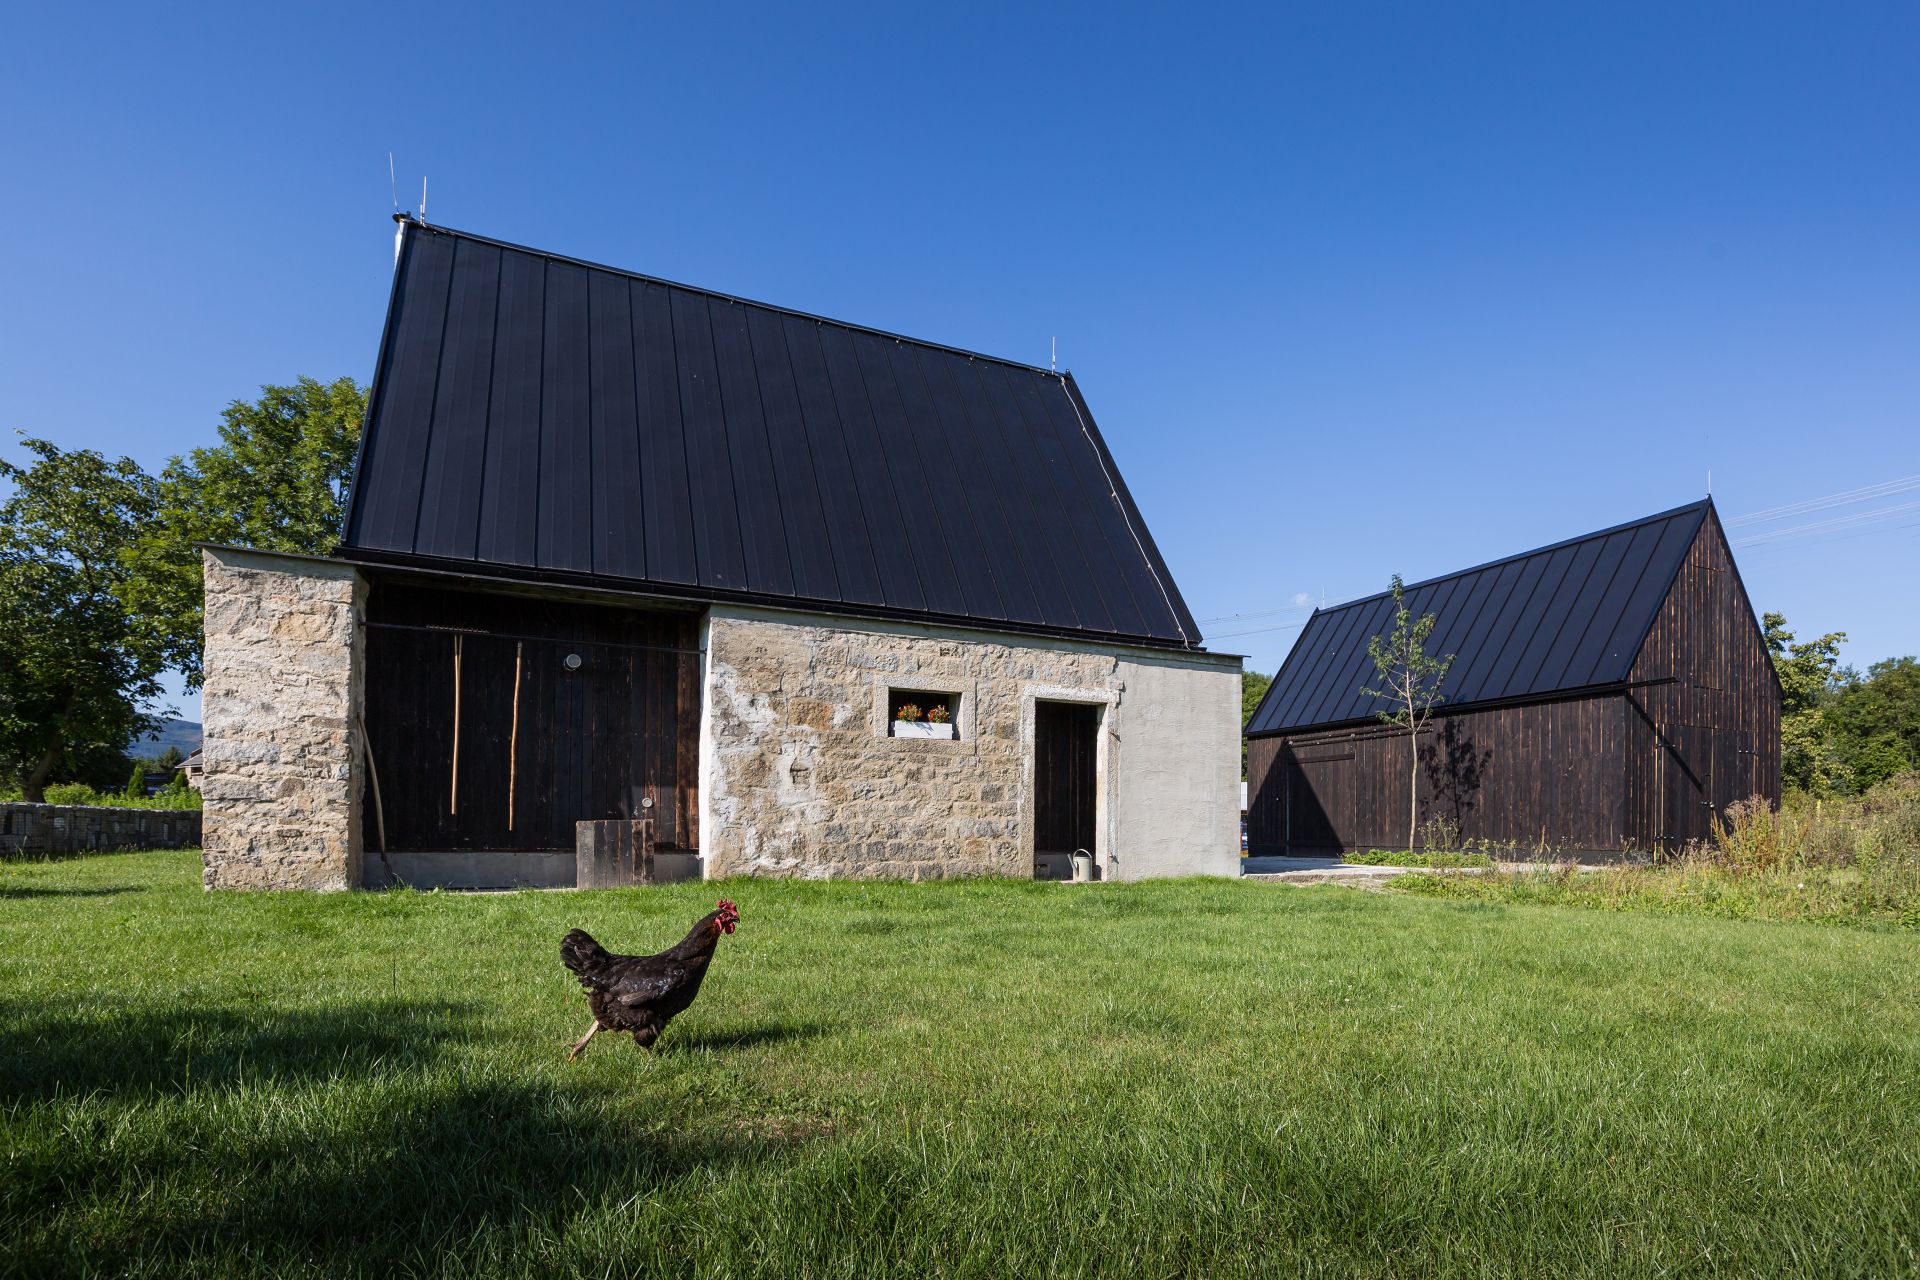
(1609, 694)
(744, 590)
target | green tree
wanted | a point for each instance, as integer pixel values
(76, 668)
(276, 481)
(1875, 722)
(1409, 681)
(1253, 687)
(1810, 678)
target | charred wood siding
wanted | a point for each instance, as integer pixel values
(1706, 720)
(541, 742)
(1643, 763)
(1545, 774)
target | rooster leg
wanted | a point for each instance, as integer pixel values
(581, 1043)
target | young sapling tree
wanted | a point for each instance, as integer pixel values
(1409, 680)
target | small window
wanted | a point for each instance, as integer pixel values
(923, 713)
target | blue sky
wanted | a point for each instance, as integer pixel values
(1352, 289)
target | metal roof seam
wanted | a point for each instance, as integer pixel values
(1522, 626)
(813, 459)
(1034, 524)
(760, 398)
(439, 229)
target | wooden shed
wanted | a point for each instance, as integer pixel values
(1608, 694)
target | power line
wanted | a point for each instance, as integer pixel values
(1759, 538)
(1820, 526)
(1258, 631)
(1263, 613)
(1844, 498)
(1836, 535)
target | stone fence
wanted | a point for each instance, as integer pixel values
(41, 829)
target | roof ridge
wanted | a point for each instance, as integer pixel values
(434, 228)
(1699, 505)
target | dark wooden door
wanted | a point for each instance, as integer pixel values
(1732, 769)
(1319, 801)
(1685, 780)
(1066, 739)
(498, 722)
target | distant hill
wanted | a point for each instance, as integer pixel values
(183, 735)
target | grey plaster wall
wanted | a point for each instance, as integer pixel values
(1178, 792)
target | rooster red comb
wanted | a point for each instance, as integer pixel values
(729, 915)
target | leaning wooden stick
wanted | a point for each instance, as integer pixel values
(513, 734)
(453, 794)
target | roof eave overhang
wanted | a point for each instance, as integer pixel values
(1613, 688)
(697, 597)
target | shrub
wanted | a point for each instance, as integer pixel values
(79, 793)
(1749, 835)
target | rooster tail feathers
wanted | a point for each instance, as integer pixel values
(579, 952)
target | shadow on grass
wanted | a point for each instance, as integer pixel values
(24, 892)
(773, 1033)
(103, 1047)
(401, 1172)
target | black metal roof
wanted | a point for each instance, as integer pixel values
(536, 415)
(1569, 616)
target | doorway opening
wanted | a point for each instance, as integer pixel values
(1066, 743)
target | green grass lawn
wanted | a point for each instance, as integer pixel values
(988, 1078)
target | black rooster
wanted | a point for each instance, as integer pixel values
(640, 993)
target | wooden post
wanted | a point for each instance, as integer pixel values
(614, 854)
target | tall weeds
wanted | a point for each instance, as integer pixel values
(1852, 860)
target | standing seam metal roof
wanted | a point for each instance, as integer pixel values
(541, 414)
(1568, 616)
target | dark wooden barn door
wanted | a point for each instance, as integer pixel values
(1066, 739)
(1319, 801)
(500, 722)
(1685, 784)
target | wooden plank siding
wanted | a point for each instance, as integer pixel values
(1706, 727)
(1523, 775)
(614, 737)
(1640, 765)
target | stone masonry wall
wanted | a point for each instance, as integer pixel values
(45, 829)
(283, 689)
(800, 778)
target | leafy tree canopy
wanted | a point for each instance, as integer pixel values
(277, 481)
(1841, 732)
(1808, 671)
(1253, 687)
(77, 668)
(1875, 722)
